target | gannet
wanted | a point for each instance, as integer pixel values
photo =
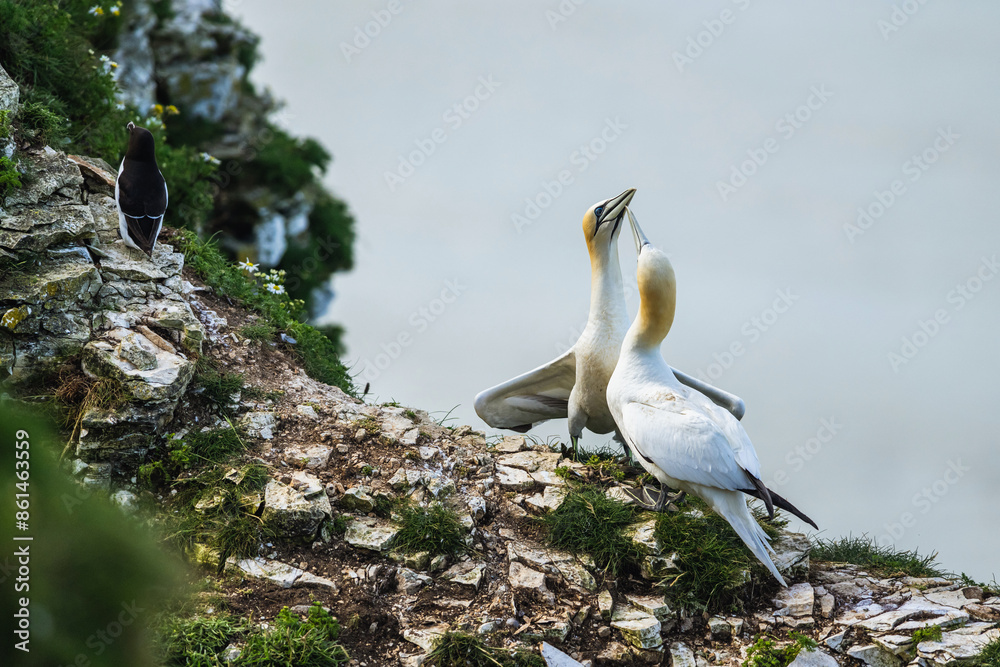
(140, 192)
(574, 385)
(680, 437)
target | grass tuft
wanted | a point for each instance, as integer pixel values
(219, 387)
(766, 653)
(436, 529)
(932, 633)
(989, 656)
(883, 560)
(260, 332)
(589, 522)
(297, 643)
(717, 570)
(458, 649)
(197, 640)
(10, 178)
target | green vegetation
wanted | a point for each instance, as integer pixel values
(932, 633)
(989, 656)
(59, 53)
(458, 649)
(292, 642)
(370, 425)
(589, 522)
(260, 332)
(718, 571)
(884, 561)
(197, 640)
(219, 387)
(10, 178)
(766, 653)
(316, 352)
(220, 509)
(297, 643)
(436, 529)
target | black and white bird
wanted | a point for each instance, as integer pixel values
(140, 192)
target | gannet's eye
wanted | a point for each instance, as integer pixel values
(598, 211)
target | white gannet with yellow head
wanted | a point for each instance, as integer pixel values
(680, 437)
(574, 385)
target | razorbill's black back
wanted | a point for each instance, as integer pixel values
(141, 192)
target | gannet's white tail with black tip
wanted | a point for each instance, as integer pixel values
(140, 192)
(732, 506)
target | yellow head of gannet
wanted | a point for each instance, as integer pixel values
(679, 436)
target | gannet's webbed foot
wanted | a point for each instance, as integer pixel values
(653, 499)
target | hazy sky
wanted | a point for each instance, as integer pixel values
(865, 346)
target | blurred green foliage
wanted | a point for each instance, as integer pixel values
(95, 578)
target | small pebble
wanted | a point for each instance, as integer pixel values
(604, 632)
(512, 623)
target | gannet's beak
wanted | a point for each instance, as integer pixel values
(640, 238)
(615, 207)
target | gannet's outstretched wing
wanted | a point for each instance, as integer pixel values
(531, 398)
(720, 397)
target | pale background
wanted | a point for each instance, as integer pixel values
(523, 297)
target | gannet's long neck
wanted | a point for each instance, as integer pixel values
(607, 292)
(657, 300)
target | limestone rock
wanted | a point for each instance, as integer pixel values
(530, 461)
(357, 499)
(290, 513)
(530, 582)
(681, 655)
(272, 570)
(957, 645)
(874, 655)
(467, 573)
(639, 628)
(373, 535)
(311, 456)
(796, 600)
(651, 604)
(9, 92)
(555, 658)
(720, 629)
(606, 604)
(550, 499)
(259, 424)
(514, 478)
(791, 553)
(815, 658)
(410, 582)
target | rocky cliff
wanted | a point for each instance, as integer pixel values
(424, 540)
